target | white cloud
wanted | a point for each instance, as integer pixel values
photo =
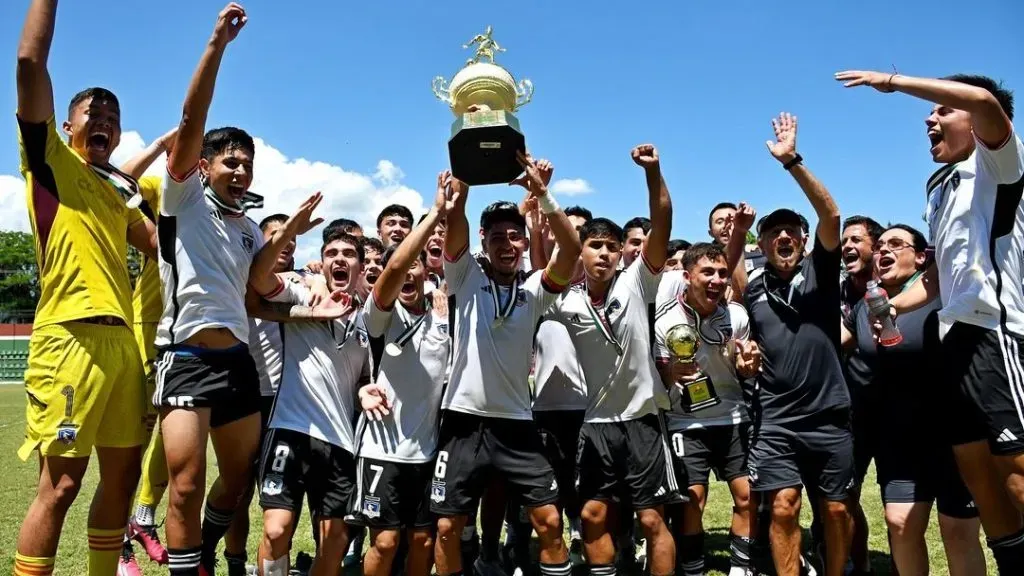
(283, 182)
(571, 187)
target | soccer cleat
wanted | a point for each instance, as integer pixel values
(303, 562)
(126, 564)
(146, 535)
(576, 551)
(488, 568)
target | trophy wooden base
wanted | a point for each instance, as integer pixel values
(483, 147)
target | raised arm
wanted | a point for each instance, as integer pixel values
(189, 142)
(742, 221)
(784, 150)
(261, 273)
(990, 123)
(656, 246)
(35, 91)
(389, 285)
(137, 165)
(567, 241)
(456, 236)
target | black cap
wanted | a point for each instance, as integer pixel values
(501, 211)
(781, 216)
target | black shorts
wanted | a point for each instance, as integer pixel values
(698, 451)
(936, 481)
(626, 462)
(392, 494)
(225, 381)
(867, 424)
(295, 464)
(472, 447)
(817, 450)
(560, 433)
(979, 389)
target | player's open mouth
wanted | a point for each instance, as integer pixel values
(98, 141)
(851, 256)
(886, 262)
(786, 251)
(236, 190)
(371, 279)
(507, 259)
(408, 289)
(434, 251)
(713, 294)
(935, 138)
(339, 275)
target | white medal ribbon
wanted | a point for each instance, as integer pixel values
(501, 312)
(601, 319)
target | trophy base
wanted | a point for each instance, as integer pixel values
(700, 394)
(483, 147)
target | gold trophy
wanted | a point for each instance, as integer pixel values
(683, 342)
(483, 145)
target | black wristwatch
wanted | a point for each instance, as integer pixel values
(798, 159)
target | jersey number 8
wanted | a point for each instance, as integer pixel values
(280, 458)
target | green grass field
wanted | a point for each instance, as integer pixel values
(19, 481)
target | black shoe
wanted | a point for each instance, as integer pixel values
(303, 562)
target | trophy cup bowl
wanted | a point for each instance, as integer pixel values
(682, 342)
(483, 144)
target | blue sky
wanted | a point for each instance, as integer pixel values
(346, 85)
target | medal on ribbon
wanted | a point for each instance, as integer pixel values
(394, 349)
(600, 317)
(502, 312)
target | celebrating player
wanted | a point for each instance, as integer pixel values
(715, 436)
(410, 346)
(622, 453)
(487, 425)
(977, 228)
(84, 381)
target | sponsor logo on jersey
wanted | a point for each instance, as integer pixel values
(437, 491)
(371, 507)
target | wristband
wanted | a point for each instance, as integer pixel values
(798, 159)
(547, 204)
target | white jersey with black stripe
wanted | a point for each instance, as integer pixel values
(265, 349)
(976, 222)
(557, 377)
(205, 255)
(413, 378)
(323, 365)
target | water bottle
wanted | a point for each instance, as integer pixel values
(878, 309)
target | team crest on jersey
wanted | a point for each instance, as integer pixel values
(371, 507)
(520, 298)
(362, 337)
(247, 241)
(613, 310)
(437, 491)
(67, 433)
(443, 329)
(272, 484)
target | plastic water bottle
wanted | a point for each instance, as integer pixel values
(878, 308)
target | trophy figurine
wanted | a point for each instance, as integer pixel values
(683, 342)
(484, 141)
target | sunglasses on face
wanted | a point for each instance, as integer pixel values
(893, 244)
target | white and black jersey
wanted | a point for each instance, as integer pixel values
(557, 376)
(205, 255)
(265, 349)
(413, 375)
(613, 344)
(716, 353)
(976, 224)
(493, 339)
(672, 284)
(324, 363)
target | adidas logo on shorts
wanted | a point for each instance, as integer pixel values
(1006, 436)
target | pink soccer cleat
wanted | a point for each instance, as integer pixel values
(126, 564)
(146, 535)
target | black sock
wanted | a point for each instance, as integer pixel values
(236, 563)
(488, 548)
(739, 551)
(602, 570)
(691, 554)
(1008, 552)
(184, 562)
(215, 526)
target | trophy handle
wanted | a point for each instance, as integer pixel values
(524, 93)
(440, 87)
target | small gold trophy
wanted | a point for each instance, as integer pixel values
(483, 145)
(683, 342)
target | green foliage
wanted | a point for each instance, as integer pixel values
(19, 276)
(751, 238)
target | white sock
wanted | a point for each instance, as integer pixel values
(277, 567)
(575, 529)
(737, 571)
(144, 515)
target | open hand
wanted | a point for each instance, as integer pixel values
(301, 221)
(337, 305)
(373, 399)
(880, 81)
(447, 196)
(536, 175)
(748, 358)
(646, 156)
(784, 147)
(230, 21)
